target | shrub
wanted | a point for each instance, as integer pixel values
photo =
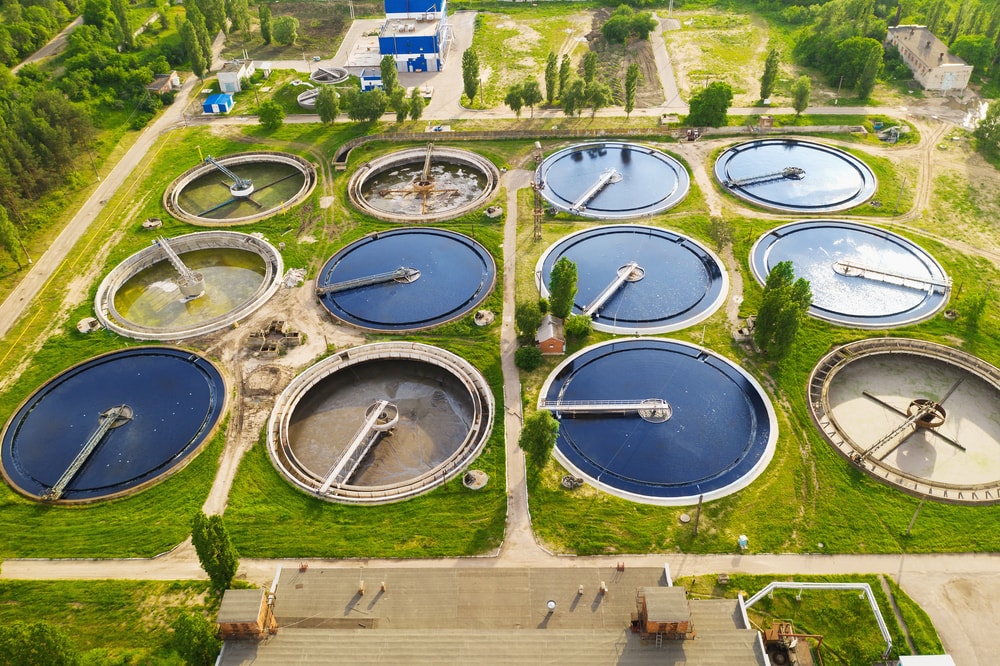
(528, 358)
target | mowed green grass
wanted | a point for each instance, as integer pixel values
(807, 496)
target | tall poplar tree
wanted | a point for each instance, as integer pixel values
(264, 13)
(215, 550)
(390, 78)
(562, 288)
(551, 77)
(564, 72)
(770, 75)
(782, 307)
(632, 77)
(470, 74)
(120, 8)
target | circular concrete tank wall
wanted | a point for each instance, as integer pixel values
(403, 187)
(206, 195)
(380, 423)
(140, 298)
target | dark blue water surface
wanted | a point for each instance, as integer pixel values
(176, 396)
(683, 281)
(719, 429)
(456, 275)
(834, 180)
(652, 181)
(814, 245)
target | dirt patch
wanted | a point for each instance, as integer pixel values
(613, 61)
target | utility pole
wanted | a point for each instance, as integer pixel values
(899, 196)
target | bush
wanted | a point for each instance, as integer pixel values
(528, 358)
(578, 326)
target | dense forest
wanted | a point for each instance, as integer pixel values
(51, 114)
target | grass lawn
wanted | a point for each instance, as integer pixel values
(845, 621)
(110, 621)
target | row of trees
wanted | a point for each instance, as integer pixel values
(574, 94)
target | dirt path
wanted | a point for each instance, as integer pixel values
(519, 539)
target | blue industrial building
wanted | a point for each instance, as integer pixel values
(218, 103)
(416, 34)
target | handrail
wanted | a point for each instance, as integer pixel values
(865, 587)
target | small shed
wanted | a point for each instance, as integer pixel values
(664, 612)
(370, 79)
(551, 337)
(219, 103)
(245, 614)
(164, 83)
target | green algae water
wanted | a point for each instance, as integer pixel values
(208, 195)
(152, 298)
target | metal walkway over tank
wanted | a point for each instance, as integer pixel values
(402, 275)
(608, 177)
(191, 282)
(111, 418)
(626, 273)
(851, 269)
(380, 417)
(788, 173)
(655, 410)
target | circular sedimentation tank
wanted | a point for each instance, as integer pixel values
(659, 421)
(921, 417)
(328, 75)
(112, 425)
(307, 99)
(145, 297)
(240, 188)
(612, 180)
(406, 279)
(634, 279)
(426, 185)
(380, 423)
(793, 175)
(860, 275)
